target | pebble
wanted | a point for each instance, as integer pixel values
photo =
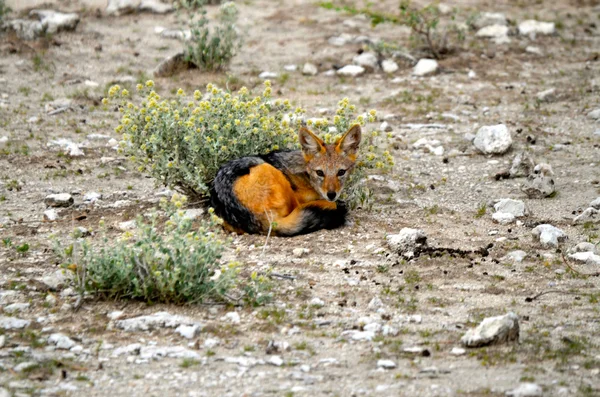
(54, 280)
(127, 225)
(351, 71)
(276, 361)
(54, 21)
(408, 242)
(526, 390)
(153, 321)
(59, 200)
(300, 252)
(489, 18)
(92, 197)
(588, 258)
(594, 114)
(532, 27)
(389, 66)
(548, 235)
(50, 214)
(582, 247)
(119, 7)
(25, 29)
(156, 7)
(588, 215)
(548, 95)
(232, 317)
(516, 256)
(268, 75)
(61, 341)
(24, 366)
(375, 304)
(540, 182)
(515, 207)
(386, 364)
(458, 351)
(50, 300)
(493, 330)
(309, 69)
(158, 352)
(493, 139)
(497, 32)
(290, 68)
(316, 302)
(189, 331)
(2, 341)
(425, 67)
(367, 60)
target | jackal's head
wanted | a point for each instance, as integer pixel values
(328, 166)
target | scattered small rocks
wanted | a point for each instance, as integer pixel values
(493, 331)
(408, 243)
(351, 71)
(425, 67)
(493, 139)
(309, 69)
(526, 390)
(532, 27)
(59, 200)
(548, 235)
(540, 183)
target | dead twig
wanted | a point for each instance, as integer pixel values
(283, 276)
(596, 274)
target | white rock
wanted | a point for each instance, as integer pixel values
(76, 349)
(351, 71)
(589, 215)
(316, 302)
(582, 247)
(268, 75)
(489, 18)
(158, 352)
(389, 66)
(367, 60)
(50, 214)
(533, 27)
(232, 317)
(387, 364)
(59, 200)
(362, 335)
(515, 256)
(373, 327)
(388, 330)
(526, 390)
(309, 69)
(127, 225)
(209, 343)
(91, 197)
(90, 83)
(492, 31)
(54, 280)
(290, 68)
(120, 7)
(25, 29)
(276, 361)
(494, 139)
(548, 235)
(153, 321)
(515, 207)
(155, 7)
(547, 96)
(586, 257)
(493, 330)
(16, 307)
(539, 183)
(189, 331)
(595, 204)
(471, 75)
(54, 21)
(408, 242)
(375, 304)
(385, 127)
(534, 50)
(300, 252)
(594, 114)
(419, 350)
(193, 213)
(24, 366)
(51, 300)
(61, 341)
(458, 351)
(425, 67)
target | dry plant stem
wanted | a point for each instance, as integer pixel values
(596, 274)
(553, 291)
(270, 218)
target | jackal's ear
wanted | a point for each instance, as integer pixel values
(349, 143)
(310, 143)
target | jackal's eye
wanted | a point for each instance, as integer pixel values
(320, 173)
(341, 172)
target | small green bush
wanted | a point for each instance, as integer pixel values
(211, 49)
(184, 141)
(4, 10)
(179, 264)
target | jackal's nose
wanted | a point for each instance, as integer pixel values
(331, 195)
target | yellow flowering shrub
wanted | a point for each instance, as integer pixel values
(184, 141)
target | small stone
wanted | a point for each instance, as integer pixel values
(540, 183)
(408, 243)
(25, 29)
(425, 67)
(386, 364)
(515, 256)
(351, 71)
(127, 225)
(389, 66)
(209, 343)
(522, 165)
(91, 197)
(503, 218)
(61, 341)
(533, 27)
(367, 60)
(54, 21)
(385, 127)
(268, 75)
(189, 331)
(171, 65)
(50, 214)
(497, 32)
(589, 215)
(375, 304)
(582, 247)
(232, 317)
(59, 200)
(153, 321)
(24, 366)
(489, 18)
(16, 307)
(548, 235)
(458, 351)
(493, 139)
(515, 207)
(55, 280)
(493, 330)
(526, 390)
(548, 95)
(594, 114)
(309, 69)
(276, 361)
(339, 41)
(595, 204)
(13, 323)
(588, 258)
(121, 7)
(534, 50)
(300, 252)
(50, 300)
(116, 315)
(471, 75)
(290, 68)
(156, 7)
(316, 302)
(2, 341)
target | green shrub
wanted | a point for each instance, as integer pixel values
(184, 141)
(211, 49)
(178, 264)
(4, 10)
